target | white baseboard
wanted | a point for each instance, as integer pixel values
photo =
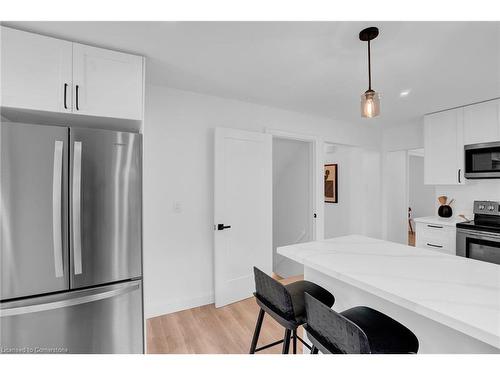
(152, 310)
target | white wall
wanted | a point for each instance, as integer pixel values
(405, 137)
(338, 216)
(395, 208)
(178, 171)
(369, 206)
(292, 200)
(421, 197)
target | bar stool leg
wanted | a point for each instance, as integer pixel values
(294, 341)
(286, 341)
(256, 333)
(314, 350)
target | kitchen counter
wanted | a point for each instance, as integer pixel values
(451, 303)
(447, 221)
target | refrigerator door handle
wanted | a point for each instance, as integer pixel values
(70, 302)
(57, 208)
(76, 207)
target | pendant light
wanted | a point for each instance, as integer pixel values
(370, 100)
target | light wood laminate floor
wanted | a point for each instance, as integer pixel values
(207, 330)
(411, 238)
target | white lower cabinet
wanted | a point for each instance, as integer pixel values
(434, 233)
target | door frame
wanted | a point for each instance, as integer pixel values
(415, 151)
(317, 161)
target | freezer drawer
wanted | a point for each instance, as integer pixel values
(105, 206)
(99, 320)
(33, 210)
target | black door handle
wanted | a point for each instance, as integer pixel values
(222, 226)
(65, 89)
(77, 106)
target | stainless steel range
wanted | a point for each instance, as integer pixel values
(480, 238)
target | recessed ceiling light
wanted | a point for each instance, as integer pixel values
(404, 93)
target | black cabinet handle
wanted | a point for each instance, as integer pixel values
(65, 91)
(459, 171)
(77, 107)
(438, 246)
(434, 226)
(222, 226)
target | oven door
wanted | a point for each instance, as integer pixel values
(482, 160)
(478, 245)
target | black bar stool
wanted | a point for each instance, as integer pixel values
(359, 330)
(286, 304)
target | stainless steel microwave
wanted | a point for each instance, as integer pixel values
(482, 160)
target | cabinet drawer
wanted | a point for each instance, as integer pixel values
(443, 250)
(436, 237)
(433, 230)
(439, 244)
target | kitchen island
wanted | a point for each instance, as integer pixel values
(452, 304)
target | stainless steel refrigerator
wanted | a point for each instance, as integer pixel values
(71, 240)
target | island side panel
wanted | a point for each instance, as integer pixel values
(433, 337)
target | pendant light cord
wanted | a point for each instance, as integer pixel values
(369, 68)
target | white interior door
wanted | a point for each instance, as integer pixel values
(243, 204)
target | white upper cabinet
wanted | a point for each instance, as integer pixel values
(107, 83)
(48, 74)
(443, 144)
(482, 123)
(35, 71)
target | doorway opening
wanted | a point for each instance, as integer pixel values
(342, 212)
(406, 196)
(420, 196)
(293, 200)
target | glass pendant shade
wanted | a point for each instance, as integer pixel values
(370, 104)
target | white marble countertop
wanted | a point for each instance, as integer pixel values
(448, 221)
(460, 293)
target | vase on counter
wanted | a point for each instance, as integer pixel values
(444, 209)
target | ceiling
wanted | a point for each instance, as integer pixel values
(312, 67)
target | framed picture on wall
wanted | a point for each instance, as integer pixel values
(331, 191)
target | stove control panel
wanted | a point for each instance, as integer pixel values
(487, 208)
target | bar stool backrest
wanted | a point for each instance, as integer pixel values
(273, 294)
(338, 334)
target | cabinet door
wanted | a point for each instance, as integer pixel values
(107, 83)
(481, 122)
(443, 142)
(35, 71)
